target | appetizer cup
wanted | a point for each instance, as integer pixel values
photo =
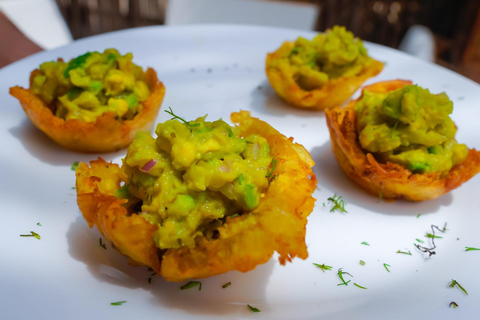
(388, 179)
(92, 105)
(239, 240)
(321, 73)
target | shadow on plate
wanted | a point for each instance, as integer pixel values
(40, 146)
(330, 176)
(264, 100)
(111, 267)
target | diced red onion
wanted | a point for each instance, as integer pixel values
(148, 166)
(225, 169)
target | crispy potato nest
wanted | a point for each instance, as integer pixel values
(278, 223)
(388, 179)
(281, 75)
(105, 134)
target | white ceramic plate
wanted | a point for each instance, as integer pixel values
(216, 70)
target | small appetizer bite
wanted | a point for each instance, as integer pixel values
(203, 198)
(96, 102)
(398, 141)
(321, 73)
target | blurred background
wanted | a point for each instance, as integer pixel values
(446, 32)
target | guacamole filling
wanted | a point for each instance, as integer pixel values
(410, 126)
(192, 177)
(91, 84)
(336, 53)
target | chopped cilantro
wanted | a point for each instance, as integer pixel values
(404, 252)
(226, 285)
(418, 215)
(118, 303)
(365, 243)
(362, 263)
(38, 224)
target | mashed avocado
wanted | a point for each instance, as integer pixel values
(193, 176)
(410, 126)
(331, 55)
(92, 84)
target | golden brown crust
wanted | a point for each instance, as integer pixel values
(277, 224)
(333, 93)
(389, 179)
(105, 134)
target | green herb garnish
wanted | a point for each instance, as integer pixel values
(150, 278)
(404, 252)
(323, 267)
(419, 240)
(386, 266)
(38, 224)
(393, 129)
(226, 285)
(170, 112)
(339, 203)
(365, 243)
(102, 244)
(273, 165)
(418, 215)
(431, 235)
(455, 283)
(75, 165)
(453, 304)
(359, 286)
(32, 234)
(471, 249)
(240, 179)
(340, 274)
(253, 309)
(118, 303)
(192, 284)
(362, 263)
